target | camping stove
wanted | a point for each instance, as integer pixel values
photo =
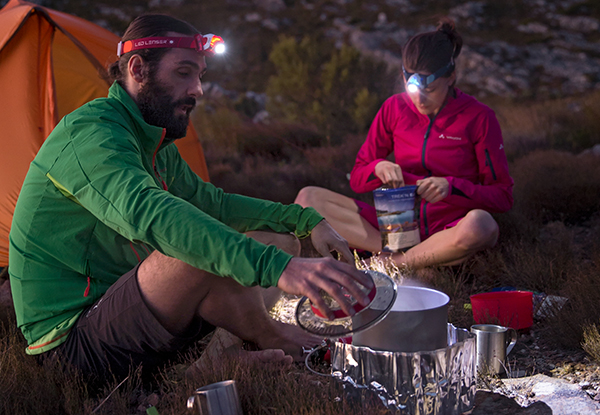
(436, 382)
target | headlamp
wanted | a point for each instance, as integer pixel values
(416, 82)
(206, 45)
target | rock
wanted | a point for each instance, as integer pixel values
(469, 14)
(405, 6)
(594, 151)
(487, 403)
(152, 399)
(253, 17)
(270, 5)
(165, 3)
(583, 24)
(533, 27)
(271, 24)
(561, 396)
(261, 117)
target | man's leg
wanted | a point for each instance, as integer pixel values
(475, 232)
(178, 294)
(343, 215)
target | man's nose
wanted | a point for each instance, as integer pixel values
(196, 90)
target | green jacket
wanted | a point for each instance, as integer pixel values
(102, 193)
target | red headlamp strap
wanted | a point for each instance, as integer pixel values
(201, 43)
(157, 42)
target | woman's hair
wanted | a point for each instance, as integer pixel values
(430, 51)
(148, 25)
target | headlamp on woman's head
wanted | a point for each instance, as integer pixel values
(206, 45)
(416, 82)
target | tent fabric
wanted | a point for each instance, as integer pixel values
(50, 64)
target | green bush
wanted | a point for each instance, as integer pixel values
(338, 91)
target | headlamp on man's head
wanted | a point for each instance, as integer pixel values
(416, 82)
(206, 45)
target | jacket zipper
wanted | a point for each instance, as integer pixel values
(87, 289)
(489, 162)
(425, 145)
(424, 203)
(164, 185)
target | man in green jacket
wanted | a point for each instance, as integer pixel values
(120, 254)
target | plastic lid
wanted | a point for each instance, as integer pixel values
(382, 297)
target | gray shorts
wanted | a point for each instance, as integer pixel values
(119, 332)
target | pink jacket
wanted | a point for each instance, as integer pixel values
(463, 143)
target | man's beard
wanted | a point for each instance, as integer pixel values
(158, 108)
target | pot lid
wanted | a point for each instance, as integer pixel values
(382, 297)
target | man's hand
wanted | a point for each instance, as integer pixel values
(325, 240)
(306, 276)
(389, 173)
(433, 189)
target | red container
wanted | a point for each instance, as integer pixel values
(506, 308)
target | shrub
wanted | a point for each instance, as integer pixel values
(338, 91)
(591, 341)
(569, 124)
(218, 127)
(567, 326)
(552, 185)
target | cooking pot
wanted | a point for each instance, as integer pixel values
(418, 321)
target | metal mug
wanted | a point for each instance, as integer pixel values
(492, 344)
(219, 398)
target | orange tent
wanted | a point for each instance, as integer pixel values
(50, 64)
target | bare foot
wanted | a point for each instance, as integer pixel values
(275, 357)
(291, 339)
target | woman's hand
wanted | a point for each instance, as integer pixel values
(433, 189)
(389, 173)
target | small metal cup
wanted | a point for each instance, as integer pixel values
(219, 398)
(492, 344)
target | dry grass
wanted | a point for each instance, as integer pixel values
(28, 388)
(591, 341)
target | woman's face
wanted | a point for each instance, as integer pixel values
(429, 100)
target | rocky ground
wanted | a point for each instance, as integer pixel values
(517, 49)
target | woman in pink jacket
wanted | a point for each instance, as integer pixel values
(445, 142)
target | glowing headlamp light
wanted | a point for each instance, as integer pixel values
(206, 45)
(416, 82)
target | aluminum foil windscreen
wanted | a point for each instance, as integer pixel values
(438, 382)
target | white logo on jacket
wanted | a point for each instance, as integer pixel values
(447, 137)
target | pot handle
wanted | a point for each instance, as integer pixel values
(324, 345)
(512, 341)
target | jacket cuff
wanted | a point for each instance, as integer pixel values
(307, 220)
(273, 273)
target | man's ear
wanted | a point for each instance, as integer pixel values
(136, 68)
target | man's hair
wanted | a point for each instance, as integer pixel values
(148, 25)
(428, 52)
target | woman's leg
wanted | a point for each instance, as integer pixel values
(475, 232)
(343, 215)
